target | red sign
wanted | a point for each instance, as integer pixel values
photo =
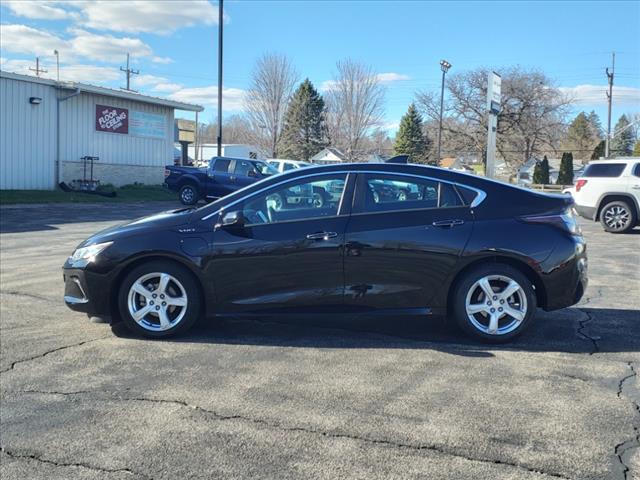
(112, 119)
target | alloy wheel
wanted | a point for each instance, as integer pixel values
(617, 217)
(496, 305)
(187, 195)
(157, 301)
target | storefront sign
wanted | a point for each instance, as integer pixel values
(151, 125)
(112, 119)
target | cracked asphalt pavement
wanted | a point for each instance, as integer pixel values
(332, 398)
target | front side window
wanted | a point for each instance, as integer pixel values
(264, 168)
(636, 170)
(304, 199)
(383, 193)
(243, 167)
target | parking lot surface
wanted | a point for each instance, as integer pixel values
(337, 398)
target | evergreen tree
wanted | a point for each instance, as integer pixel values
(565, 176)
(596, 126)
(582, 135)
(622, 144)
(636, 149)
(411, 139)
(541, 172)
(598, 152)
(304, 130)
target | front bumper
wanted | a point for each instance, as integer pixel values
(86, 292)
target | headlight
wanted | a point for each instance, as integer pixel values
(90, 252)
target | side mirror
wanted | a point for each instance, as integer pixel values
(231, 219)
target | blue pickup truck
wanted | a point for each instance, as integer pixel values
(223, 176)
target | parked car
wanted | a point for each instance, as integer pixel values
(222, 176)
(284, 165)
(484, 252)
(609, 191)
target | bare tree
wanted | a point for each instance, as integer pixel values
(532, 120)
(355, 104)
(272, 84)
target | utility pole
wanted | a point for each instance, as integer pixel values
(130, 72)
(220, 22)
(610, 98)
(38, 70)
(57, 54)
(444, 66)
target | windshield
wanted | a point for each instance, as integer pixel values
(265, 169)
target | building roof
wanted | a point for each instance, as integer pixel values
(329, 150)
(448, 162)
(109, 92)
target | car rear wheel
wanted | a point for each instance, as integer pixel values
(188, 194)
(159, 299)
(617, 217)
(494, 303)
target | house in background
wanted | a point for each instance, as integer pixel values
(235, 150)
(455, 164)
(329, 156)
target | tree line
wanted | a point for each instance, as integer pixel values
(291, 119)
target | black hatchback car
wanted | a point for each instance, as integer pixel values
(483, 252)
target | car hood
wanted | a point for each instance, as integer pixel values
(162, 220)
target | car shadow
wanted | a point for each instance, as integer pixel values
(33, 218)
(570, 330)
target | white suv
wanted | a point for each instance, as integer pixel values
(284, 165)
(609, 191)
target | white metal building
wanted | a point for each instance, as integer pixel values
(46, 128)
(237, 150)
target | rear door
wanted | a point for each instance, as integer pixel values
(405, 235)
(220, 177)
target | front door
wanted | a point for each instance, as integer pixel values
(220, 178)
(404, 237)
(288, 253)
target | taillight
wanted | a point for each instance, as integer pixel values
(580, 183)
(166, 173)
(565, 221)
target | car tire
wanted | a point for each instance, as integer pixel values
(618, 217)
(188, 194)
(481, 317)
(159, 299)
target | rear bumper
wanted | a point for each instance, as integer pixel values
(586, 212)
(566, 284)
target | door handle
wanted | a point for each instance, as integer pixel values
(636, 187)
(321, 235)
(448, 223)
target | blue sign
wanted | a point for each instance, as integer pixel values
(151, 125)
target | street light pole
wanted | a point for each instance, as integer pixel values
(444, 66)
(57, 54)
(220, 22)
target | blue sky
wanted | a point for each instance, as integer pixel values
(174, 44)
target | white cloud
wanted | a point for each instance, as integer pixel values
(42, 10)
(392, 77)
(145, 16)
(107, 48)
(162, 60)
(103, 48)
(93, 74)
(208, 96)
(24, 39)
(384, 78)
(168, 87)
(146, 80)
(596, 94)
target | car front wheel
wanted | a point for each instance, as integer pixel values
(494, 303)
(188, 195)
(617, 217)
(159, 299)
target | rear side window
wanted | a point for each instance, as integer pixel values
(289, 166)
(384, 193)
(604, 170)
(467, 194)
(221, 165)
(636, 170)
